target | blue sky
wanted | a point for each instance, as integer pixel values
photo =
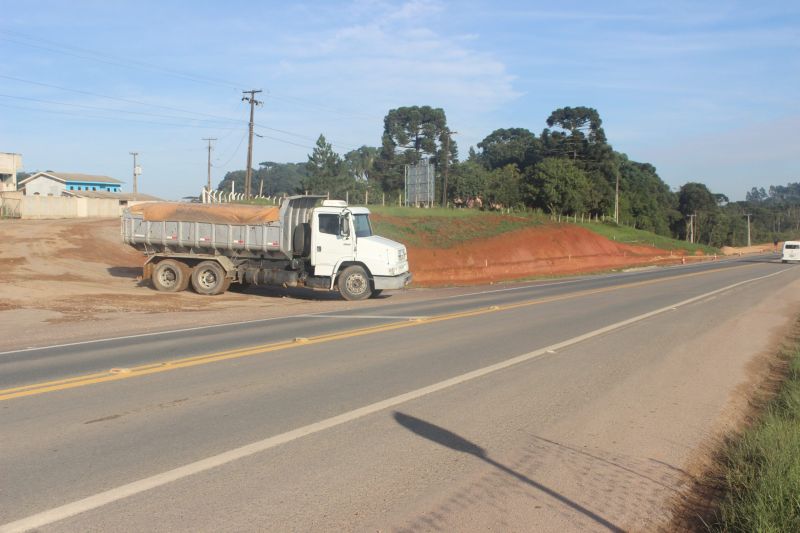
(705, 91)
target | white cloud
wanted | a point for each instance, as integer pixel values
(395, 51)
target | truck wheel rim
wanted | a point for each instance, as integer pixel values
(356, 284)
(207, 279)
(168, 277)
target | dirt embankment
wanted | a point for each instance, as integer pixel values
(540, 251)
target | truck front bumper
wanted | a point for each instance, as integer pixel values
(392, 282)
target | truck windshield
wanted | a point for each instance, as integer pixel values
(363, 229)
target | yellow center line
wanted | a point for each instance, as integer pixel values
(186, 362)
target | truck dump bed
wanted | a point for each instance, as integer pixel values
(164, 227)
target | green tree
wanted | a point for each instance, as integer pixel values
(696, 200)
(468, 179)
(583, 125)
(559, 186)
(646, 201)
(504, 187)
(516, 146)
(326, 172)
(279, 178)
(409, 135)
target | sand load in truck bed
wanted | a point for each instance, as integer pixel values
(208, 213)
(196, 228)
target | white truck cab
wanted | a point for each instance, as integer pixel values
(791, 251)
(344, 248)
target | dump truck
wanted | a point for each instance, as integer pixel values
(308, 241)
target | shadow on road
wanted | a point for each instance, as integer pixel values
(125, 272)
(455, 442)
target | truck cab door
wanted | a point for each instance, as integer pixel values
(333, 241)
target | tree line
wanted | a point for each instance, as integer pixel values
(569, 169)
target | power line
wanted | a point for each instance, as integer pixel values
(235, 152)
(118, 99)
(172, 108)
(100, 117)
(84, 53)
(110, 109)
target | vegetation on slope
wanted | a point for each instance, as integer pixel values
(761, 477)
(444, 228)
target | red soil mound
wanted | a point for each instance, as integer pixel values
(547, 250)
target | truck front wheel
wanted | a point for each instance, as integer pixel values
(170, 276)
(354, 283)
(209, 278)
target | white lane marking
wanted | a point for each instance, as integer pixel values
(225, 325)
(532, 285)
(129, 489)
(140, 335)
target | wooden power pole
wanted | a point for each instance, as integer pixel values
(249, 172)
(136, 171)
(208, 187)
(447, 133)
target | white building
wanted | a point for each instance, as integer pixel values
(10, 164)
(61, 183)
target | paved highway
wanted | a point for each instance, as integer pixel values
(572, 404)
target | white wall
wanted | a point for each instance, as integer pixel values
(44, 187)
(40, 207)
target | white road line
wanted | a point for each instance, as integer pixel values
(532, 285)
(225, 325)
(112, 495)
(140, 335)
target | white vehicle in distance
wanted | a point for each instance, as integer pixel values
(791, 251)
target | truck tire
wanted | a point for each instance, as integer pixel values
(209, 278)
(376, 293)
(354, 283)
(301, 240)
(170, 275)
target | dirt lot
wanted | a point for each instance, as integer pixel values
(65, 280)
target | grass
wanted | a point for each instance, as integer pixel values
(448, 227)
(444, 228)
(761, 478)
(629, 235)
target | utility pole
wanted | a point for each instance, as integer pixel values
(748, 215)
(691, 228)
(248, 173)
(448, 133)
(208, 188)
(616, 201)
(136, 171)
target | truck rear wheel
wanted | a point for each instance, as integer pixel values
(209, 278)
(354, 283)
(170, 275)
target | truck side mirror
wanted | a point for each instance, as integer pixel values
(344, 225)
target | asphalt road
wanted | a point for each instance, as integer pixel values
(572, 404)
